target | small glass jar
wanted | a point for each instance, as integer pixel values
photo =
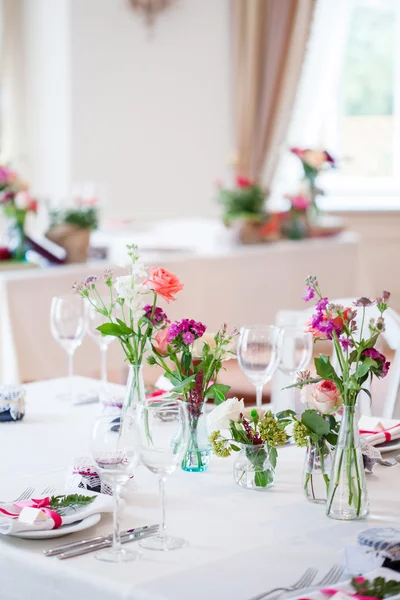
(254, 467)
(316, 473)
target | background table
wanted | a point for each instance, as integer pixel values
(223, 283)
(240, 542)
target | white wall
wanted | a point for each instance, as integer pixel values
(151, 113)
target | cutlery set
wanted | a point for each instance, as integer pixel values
(99, 542)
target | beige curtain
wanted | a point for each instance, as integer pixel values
(269, 41)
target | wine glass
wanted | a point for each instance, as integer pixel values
(259, 353)
(67, 322)
(93, 320)
(162, 437)
(297, 348)
(113, 451)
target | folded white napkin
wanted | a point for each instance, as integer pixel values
(377, 431)
(10, 525)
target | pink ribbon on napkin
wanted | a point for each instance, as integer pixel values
(385, 432)
(332, 591)
(43, 504)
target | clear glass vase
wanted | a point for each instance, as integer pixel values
(134, 391)
(254, 467)
(17, 240)
(317, 469)
(347, 496)
(199, 449)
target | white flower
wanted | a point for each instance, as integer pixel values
(22, 200)
(139, 269)
(124, 286)
(221, 415)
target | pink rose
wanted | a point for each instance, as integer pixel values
(160, 342)
(316, 333)
(324, 397)
(164, 283)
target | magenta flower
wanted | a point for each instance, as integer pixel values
(309, 294)
(188, 337)
(383, 365)
(322, 304)
(177, 331)
(346, 343)
(159, 315)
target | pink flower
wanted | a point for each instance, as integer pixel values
(164, 283)
(324, 397)
(299, 202)
(160, 342)
(243, 182)
(316, 333)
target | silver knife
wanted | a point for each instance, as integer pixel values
(100, 538)
(106, 544)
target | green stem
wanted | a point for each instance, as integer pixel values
(337, 480)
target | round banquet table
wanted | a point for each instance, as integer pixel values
(240, 543)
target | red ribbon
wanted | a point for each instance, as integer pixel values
(332, 591)
(388, 436)
(43, 504)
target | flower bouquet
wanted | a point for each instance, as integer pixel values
(313, 163)
(128, 314)
(192, 361)
(255, 439)
(245, 204)
(70, 228)
(16, 203)
(357, 361)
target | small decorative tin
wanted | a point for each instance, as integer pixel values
(12, 402)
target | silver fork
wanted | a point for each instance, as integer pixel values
(48, 490)
(26, 494)
(305, 581)
(332, 576)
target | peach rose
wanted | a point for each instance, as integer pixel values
(160, 342)
(164, 283)
(324, 396)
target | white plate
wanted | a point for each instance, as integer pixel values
(388, 446)
(63, 530)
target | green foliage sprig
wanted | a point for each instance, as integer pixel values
(311, 426)
(242, 203)
(74, 501)
(83, 217)
(377, 588)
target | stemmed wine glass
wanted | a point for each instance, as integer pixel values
(162, 437)
(259, 353)
(93, 320)
(67, 322)
(114, 454)
(297, 348)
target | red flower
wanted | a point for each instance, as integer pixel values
(243, 182)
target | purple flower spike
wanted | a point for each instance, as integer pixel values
(385, 295)
(346, 343)
(90, 281)
(309, 294)
(322, 304)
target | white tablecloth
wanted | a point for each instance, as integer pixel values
(237, 285)
(240, 542)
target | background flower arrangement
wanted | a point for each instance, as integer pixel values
(313, 162)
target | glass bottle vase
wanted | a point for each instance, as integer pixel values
(134, 391)
(347, 496)
(317, 469)
(199, 449)
(254, 467)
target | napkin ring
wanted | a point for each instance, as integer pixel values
(12, 402)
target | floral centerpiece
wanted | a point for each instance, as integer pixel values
(254, 437)
(131, 312)
(192, 361)
(245, 204)
(295, 225)
(313, 163)
(317, 430)
(70, 228)
(357, 361)
(16, 202)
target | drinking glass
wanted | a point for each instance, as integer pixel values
(259, 353)
(162, 437)
(93, 320)
(113, 451)
(67, 322)
(297, 348)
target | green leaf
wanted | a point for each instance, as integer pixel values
(186, 361)
(184, 384)
(332, 438)
(235, 448)
(367, 364)
(301, 383)
(70, 501)
(315, 422)
(115, 330)
(284, 414)
(325, 369)
(273, 455)
(218, 392)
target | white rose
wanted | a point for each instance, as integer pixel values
(229, 410)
